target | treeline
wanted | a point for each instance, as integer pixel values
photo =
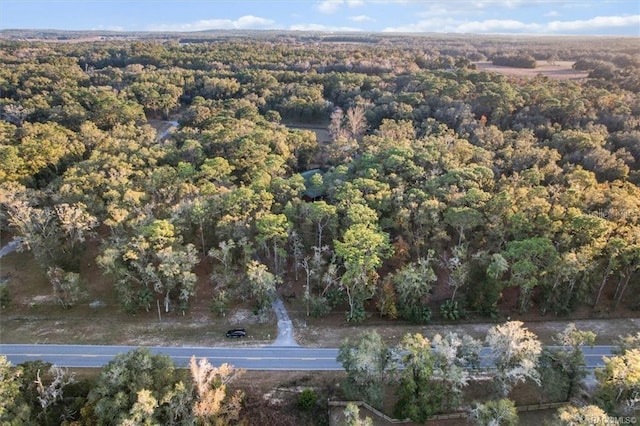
(517, 61)
(135, 388)
(443, 189)
(429, 376)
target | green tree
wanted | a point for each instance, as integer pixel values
(115, 398)
(224, 253)
(418, 395)
(516, 351)
(274, 229)
(629, 264)
(352, 416)
(49, 394)
(13, 411)
(143, 411)
(68, 288)
(322, 215)
(362, 250)
(262, 284)
(454, 356)
(570, 415)
(500, 412)
(611, 262)
(366, 361)
(562, 369)
(570, 276)
(386, 303)
(463, 219)
(46, 147)
(529, 262)
(413, 283)
(55, 235)
(174, 274)
(457, 264)
(154, 261)
(628, 342)
(619, 380)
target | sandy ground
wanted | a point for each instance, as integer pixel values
(318, 335)
(33, 317)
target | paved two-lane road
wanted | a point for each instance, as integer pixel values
(250, 358)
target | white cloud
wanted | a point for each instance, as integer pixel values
(439, 10)
(426, 26)
(246, 22)
(320, 28)
(552, 14)
(597, 22)
(108, 28)
(477, 7)
(496, 26)
(514, 26)
(329, 6)
(517, 3)
(361, 18)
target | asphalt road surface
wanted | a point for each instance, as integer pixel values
(250, 358)
(253, 358)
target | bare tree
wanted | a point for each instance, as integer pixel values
(336, 128)
(356, 122)
(213, 405)
(53, 392)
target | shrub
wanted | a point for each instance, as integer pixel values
(307, 399)
(450, 310)
(416, 314)
(5, 296)
(319, 306)
(219, 303)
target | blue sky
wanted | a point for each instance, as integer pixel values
(589, 17)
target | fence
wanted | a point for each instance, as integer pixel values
(449, 416)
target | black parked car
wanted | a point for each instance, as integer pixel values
(237, 332)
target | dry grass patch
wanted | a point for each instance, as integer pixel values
(33, 316)
(559, 70)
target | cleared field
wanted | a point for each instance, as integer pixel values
(321, 131)
(560, 70)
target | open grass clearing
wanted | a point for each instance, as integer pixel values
(559, 70)
(34, 317)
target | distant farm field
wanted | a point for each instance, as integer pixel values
(559, 70)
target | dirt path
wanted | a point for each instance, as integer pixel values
(11, 247)
(285, 327)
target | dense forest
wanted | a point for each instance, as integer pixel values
(441, 191)
(436, 176)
